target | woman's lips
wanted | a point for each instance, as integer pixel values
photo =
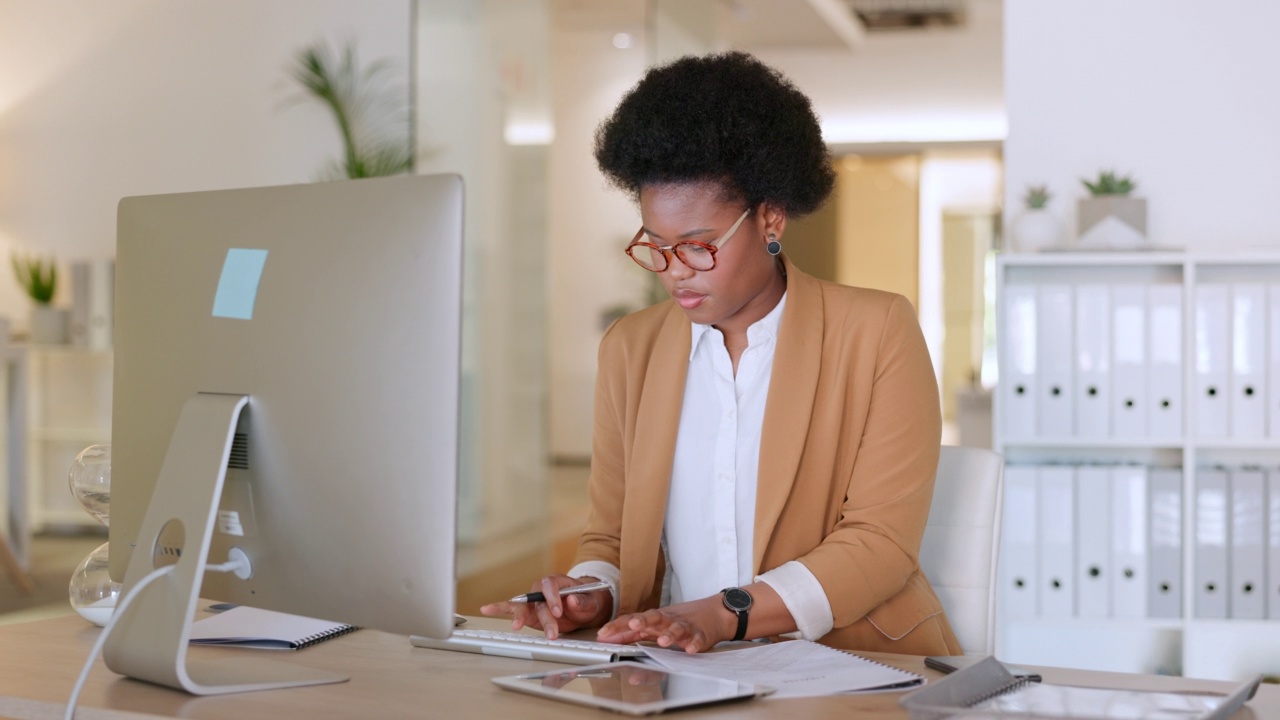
(688, 299)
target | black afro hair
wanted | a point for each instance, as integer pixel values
(727, 118)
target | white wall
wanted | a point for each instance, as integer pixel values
(1183, 94)
(100, 100)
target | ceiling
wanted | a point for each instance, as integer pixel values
(773, 24)
(825, 24)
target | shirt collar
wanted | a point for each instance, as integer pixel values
(766, 328)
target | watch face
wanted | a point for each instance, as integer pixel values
(737, 599)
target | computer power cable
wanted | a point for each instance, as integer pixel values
(237, 563)
(106, 631)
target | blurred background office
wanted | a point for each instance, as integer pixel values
(939, 112)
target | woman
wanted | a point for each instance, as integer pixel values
(765, 442)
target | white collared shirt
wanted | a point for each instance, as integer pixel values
(711, 507)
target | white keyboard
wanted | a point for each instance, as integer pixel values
(530, 647)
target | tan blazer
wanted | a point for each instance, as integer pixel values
(848, 452)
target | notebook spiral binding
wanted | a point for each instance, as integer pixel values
(915, 678)
(327, 635)
(1014, 684)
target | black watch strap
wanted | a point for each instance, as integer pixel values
(739, 602)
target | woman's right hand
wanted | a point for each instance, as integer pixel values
(558, 614)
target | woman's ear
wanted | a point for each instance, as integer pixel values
(773, 221)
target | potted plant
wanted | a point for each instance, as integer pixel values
(372, 118)
(1035, 227)
(39, 280)
(1110, 218)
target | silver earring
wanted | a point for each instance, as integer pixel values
(774, 247)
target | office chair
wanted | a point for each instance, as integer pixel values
(962, 541)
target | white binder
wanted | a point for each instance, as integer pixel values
(1093, 361)
(1128, 360)
(1055, 359)
(1212, 358)
(1057, 541)
(1093, 541)
(1018, 373)
(1249, 366)
(1273, 545)
(1212, 535)
(1164, 361)
(1164, 587)
(1273, 362)
(1129, 541)
(1019, 544)
(1248, 533)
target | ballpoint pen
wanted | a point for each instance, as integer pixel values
(571, 590)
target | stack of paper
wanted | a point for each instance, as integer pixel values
(796, 668)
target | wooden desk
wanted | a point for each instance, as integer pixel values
(39, 662)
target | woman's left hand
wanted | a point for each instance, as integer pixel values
(695, 626)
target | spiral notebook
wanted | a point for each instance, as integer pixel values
(795, 668)
(244, 626)
(988, 690)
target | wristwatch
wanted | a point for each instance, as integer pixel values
(739, 603)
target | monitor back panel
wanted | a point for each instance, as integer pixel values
(344, 478)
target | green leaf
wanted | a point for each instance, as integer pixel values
(1110, 183)
(38, 280)
(372, 119)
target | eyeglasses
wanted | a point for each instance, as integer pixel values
(695, 255)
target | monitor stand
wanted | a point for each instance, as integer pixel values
(149, 639)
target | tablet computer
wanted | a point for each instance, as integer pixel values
(631, 688)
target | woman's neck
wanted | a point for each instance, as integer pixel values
(735, 328)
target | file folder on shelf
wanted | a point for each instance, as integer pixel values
(1273, 362)
(1093, 361)
(1057, 542)
(1129, 541)
(1019, 543)
(1212, 357)
(1164, 360)
(1273, 545)
(1018, 373)
(1128, 360)
(1055, 361)
(1164, 585)
(1248, 513)
(1212, 534)
(1093, 546)
(1248, 375)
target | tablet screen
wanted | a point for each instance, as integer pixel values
(630, 687)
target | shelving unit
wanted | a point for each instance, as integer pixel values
(1226, 649)
(68, 409)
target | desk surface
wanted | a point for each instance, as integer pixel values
(39, 662)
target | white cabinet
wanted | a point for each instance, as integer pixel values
(68, 408)
(1165, 361)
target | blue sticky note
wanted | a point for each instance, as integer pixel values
(238, 286)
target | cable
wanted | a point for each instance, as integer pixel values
(102, 638)
(238, 564)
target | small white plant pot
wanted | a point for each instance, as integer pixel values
(49, 324)
(1036, 230)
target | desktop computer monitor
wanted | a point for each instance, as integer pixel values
(286, 392)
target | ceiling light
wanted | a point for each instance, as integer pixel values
(622, 41)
